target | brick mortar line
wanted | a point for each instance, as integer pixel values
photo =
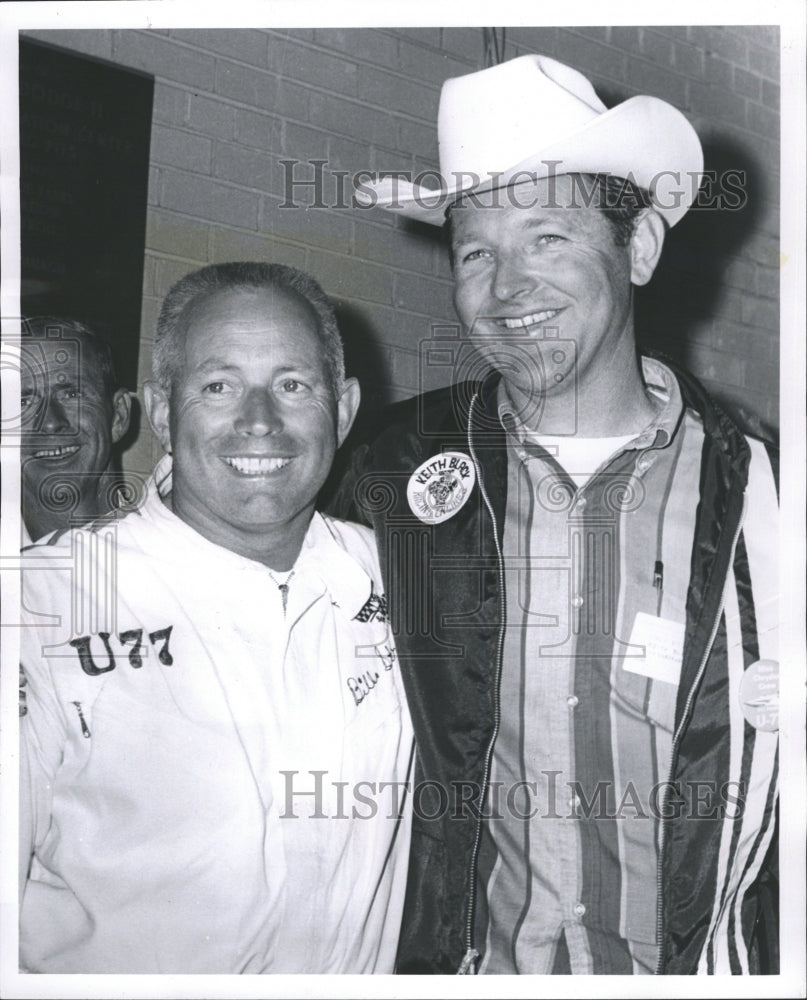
(365, 61)
(214, 225)
(215, 178)
(359, 299)
(313, 46)
(158, 255)
(284, 119)
(407, 271)
(330, 135)
(426, 46)
(390, 33)
(314, 88)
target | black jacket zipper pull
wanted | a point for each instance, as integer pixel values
(468, 963)
(85, 731)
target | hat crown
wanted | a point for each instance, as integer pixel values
(534, 117)
(499, 116)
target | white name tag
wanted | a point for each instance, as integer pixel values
(663, 642)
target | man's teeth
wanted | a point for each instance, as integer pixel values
(519, 323)
(69, 449)
(256, 466)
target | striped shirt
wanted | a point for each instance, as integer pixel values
(596, 578)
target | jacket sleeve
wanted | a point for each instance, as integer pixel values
(761, 533)
(43, 726)
(41, 752)
(764, 951)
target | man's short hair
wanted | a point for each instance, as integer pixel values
(618, 198)
(54, 328)
(167, 354)
(621, 201)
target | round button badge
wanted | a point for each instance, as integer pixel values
(440, 486)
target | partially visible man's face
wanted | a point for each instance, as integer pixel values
(251, 421)
(68, 424)
(528, 279)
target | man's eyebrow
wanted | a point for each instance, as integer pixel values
(472, 237)
(51, 383)
(219, 365)
(301, 366)
(533, 222)
(215, 364)
(47, 385)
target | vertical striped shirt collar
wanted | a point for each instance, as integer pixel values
(660, 383)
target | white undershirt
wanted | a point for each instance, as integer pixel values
(579, 456)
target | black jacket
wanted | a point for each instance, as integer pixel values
(445, 587)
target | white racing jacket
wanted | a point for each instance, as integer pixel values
(204, 773)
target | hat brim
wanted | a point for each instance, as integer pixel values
(644, 139)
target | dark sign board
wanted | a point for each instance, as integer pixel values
(85, 128)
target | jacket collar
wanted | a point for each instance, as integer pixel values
(717, 425)
(322, 557)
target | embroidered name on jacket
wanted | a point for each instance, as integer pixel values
(361, 685)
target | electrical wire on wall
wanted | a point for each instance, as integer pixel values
(493, 40)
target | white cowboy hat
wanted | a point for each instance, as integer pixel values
(532, 117)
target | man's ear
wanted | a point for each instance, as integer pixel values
(121, 413)
(158, 411)
(646, 245)
(347, 408)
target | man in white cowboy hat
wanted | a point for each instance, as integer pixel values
(579, 553)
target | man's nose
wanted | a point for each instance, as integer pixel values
(55, 419)
(260, 414)
(512, 278)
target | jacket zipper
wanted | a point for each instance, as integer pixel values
(85, 729)
(674, 753)
(468, 965)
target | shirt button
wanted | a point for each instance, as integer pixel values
(577, 601)
(572, 701)
(581, 503)
(579, 909)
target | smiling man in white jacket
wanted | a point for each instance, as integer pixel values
(217, 748)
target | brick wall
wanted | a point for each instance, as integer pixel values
(230, 105)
